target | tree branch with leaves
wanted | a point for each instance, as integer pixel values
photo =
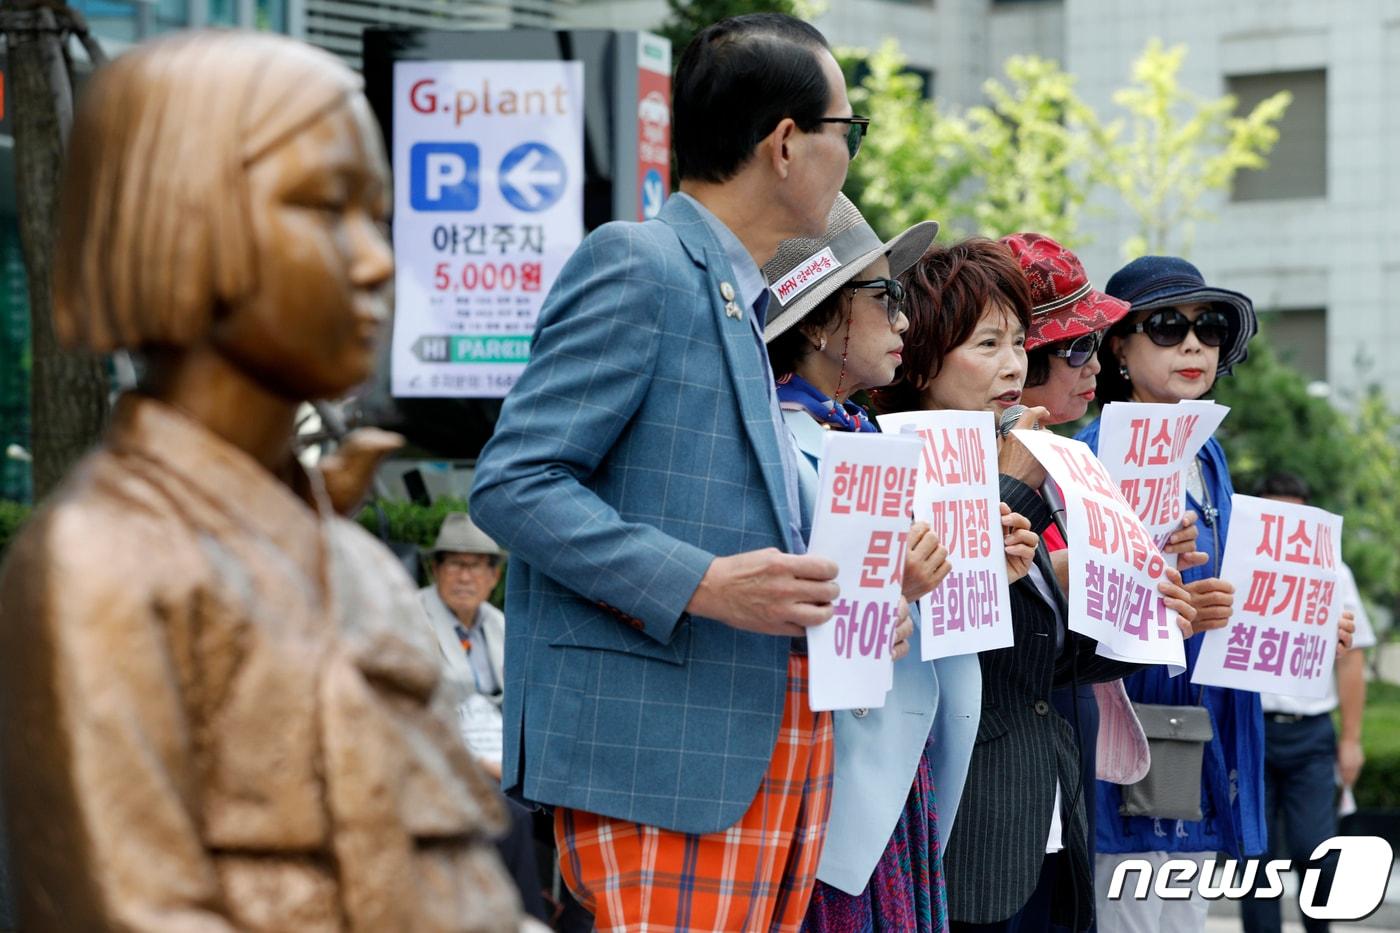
(1179, 148)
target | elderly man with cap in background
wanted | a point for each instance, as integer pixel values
(471, 633)
(471, 636)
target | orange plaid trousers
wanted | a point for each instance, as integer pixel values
(756, 875)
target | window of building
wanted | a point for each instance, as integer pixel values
(861, 70)
(271, 15)
(1300, 339)
(132, 20)
(1298, 163)
(223, 12)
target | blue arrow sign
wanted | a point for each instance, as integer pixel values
(532, 177)
(653, 194)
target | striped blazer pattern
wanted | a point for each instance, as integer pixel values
(1023, 746)
(636, 446)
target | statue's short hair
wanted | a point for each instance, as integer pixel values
(154, 232)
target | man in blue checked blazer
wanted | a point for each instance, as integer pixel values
(639, 476)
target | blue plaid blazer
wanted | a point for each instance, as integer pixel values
(637, 445)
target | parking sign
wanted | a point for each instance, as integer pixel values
(488, 189)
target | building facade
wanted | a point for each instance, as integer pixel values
(1309, 238)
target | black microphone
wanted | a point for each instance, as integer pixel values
(1051, 494)
(1009, 419)
(1049, 491)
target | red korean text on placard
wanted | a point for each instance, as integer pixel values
(1159, 441)
(1116, 534)
(1298, 598)
(1085, 470)
(1157, 500)
(953, 456)
(868, 489)
(1296, 541)
(964, 527)
(884, 559)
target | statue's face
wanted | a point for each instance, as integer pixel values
(318, 206)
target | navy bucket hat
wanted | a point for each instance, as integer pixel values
(1150, 282)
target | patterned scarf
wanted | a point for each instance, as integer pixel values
(796, 393)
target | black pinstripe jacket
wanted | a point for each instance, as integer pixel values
(994, 857)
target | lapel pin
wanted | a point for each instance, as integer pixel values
(727, 291)
(733, 311)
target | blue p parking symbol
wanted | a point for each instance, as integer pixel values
(444, 176)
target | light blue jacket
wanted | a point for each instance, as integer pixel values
(878, 750)
(637, 445)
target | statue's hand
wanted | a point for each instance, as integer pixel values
(349, 471)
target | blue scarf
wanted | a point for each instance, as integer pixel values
(795, 393)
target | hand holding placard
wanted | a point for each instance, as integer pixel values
(1282, 561)
(861, 523)
(959, 497)
(927, 563)
(767, 591)
(1147, 449)
(1115, 569)
(1019, 541)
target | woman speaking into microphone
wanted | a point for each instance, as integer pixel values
(969, 308)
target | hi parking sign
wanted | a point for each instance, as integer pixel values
(488, 189)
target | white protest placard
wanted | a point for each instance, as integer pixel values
(1147, 449)
(1114, 566)
(861, 521)
(958, 495)
(488, 205)
(1283, 560)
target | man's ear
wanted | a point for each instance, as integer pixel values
(779, 146)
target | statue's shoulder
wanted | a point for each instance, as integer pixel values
(107, 533)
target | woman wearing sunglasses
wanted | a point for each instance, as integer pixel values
(970, 307)
(829, 336)
(1180, 336)
(1069, 321)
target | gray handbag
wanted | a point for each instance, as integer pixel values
(1176, 737)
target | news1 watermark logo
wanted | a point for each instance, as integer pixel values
(1359, 880)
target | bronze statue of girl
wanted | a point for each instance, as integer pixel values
(218, 703)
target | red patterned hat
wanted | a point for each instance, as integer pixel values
(1065, 306)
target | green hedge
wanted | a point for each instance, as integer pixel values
(408, 522)
(1379, 784)
(405, 522)
(12, 515)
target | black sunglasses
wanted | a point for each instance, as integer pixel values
(1168, 327)
(894, 295)
(855, 131)
(1080, 350)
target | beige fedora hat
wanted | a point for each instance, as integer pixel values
(459, 535)
(806, 270)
